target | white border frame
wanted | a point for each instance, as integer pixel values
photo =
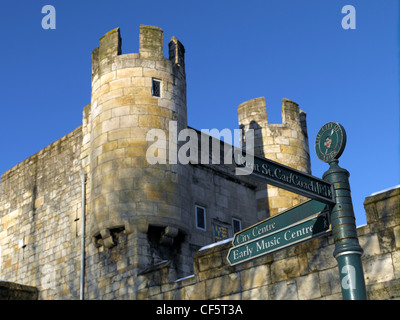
(240, 222)
(160, 82)
(205, 217)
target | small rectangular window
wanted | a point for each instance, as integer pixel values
(156, 88)
(236, 224)
(200, 218)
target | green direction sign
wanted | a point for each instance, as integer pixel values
(294, 234)
(286, 218)
(290, 179)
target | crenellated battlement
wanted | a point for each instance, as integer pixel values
(108, 56)
(110, 46)
(151, 42)
(255, 110)
(290, 112)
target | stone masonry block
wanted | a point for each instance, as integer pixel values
(119, 111)
(281, 140)
(110, 146)
(285, 269)
(194, 292)
(308, 287)
(146, 100)
(128, 121)
(135, 151)
(106, 78)
(320, 257)
(123, 143)
(260, 293)
(110, 95)
(330, 281)
(282, 202)
(255, 277)
(141, 82)
(289, 150)
(104, 88)
(129, 72)
(386, 240)
(109, 125)
(119, 83)
(271, 149)
(137, 91)
(150, 121)
(106, 115)
(284, 290)
(125, 61)
(209, 262)
(118, 101)
(122, 133)
(223, 286)
(378, 269)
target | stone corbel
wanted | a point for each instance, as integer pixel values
(108, 240)
(168, 235)
(104, 238)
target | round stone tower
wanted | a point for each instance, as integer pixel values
(132, 94)
(286, 143)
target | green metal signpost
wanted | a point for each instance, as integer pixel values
(330, 210)
(329, 145)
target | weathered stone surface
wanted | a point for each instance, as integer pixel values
(308, 287)
(222, 286)
(330, 282)
(284, 290)
(194, 292)
(379, 269)
(285, 269)
(384, 291)
(255, 277)
(14, 291)
(260, 293)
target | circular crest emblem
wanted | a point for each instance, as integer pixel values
(330, 142)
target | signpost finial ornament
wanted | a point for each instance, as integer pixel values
(330, 142)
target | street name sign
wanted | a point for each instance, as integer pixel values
(290, 179)
(296, 233)
(285, 218)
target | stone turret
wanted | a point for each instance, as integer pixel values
(132, 94)
(286, 143)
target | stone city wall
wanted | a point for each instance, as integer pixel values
(303, 272)
(40, 226)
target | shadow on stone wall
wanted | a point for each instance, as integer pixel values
(15, 291)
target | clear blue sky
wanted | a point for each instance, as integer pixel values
(235, 51)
